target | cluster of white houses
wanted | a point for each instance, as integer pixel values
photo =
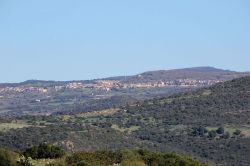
(111, 84)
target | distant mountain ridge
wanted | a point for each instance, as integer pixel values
(205, 72)
(202, 73)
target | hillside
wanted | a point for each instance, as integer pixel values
(196, 73)
(189, 121)
(211, 124)
(34, 97)
(50, 155)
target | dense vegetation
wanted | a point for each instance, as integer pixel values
(44, 151)
(98, 158)
(130, 158)
(7, 158)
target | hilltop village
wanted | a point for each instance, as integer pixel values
(108, 85)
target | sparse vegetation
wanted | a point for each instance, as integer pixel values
(4, 127)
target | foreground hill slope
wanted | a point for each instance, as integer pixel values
(189, 121)
(227, 102)
(48, 155)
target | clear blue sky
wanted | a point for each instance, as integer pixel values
(85, 39)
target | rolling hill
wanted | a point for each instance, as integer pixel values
(34, 97)
(211, 124)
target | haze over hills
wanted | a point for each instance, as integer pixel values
(210, 123)
(186, 73)
(36, 97)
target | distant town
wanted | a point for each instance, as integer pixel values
(109, 85)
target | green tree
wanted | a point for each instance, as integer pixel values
(212, 134)
(220, 130)
(237, 132)
(44, 151)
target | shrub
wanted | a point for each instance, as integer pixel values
(129, 158)
(199, 131)
(133, 163)
(23, 161)
(212, 134)
(44, 151)
(83, 163)
(7, 158)
(94, 158)
(220, 130)
(58, 162)
(237, 132)
(226, 135)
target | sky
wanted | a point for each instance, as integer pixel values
(86, 39)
